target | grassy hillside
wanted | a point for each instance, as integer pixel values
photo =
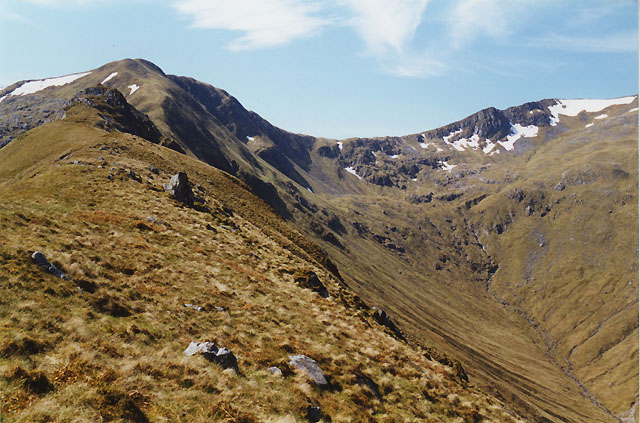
(520, 260)
(107, 344)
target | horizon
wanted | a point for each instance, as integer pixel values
(318, 67)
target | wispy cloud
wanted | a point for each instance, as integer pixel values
(263, 23)
(386, 25)
(619, 42)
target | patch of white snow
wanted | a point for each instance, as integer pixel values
(310, 190)
(352, 171)
(488, 147)
(602, 116)
(518, 131)
(463, 143)
(439, 149)
(589, 125)
(451, 135)
(109, 78)
(3, 97)
(415, 179)
(574, 107)
(339, 145)
(133, 88)
(35, 86)
(446, 166)
(635, 109)
(250, 138)
(395, 156)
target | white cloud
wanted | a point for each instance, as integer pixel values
(386, 25)
(415, 66)
(264, 23)
(621, 42)
(470, 19)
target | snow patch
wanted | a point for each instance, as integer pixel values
(574, 107)
(109, 78)
(588, 125)
(518, 131)
(602, 116)
(395, 156)
(426, 144)
(415, 179)
(133, 88)
(446, 166)
(463, 143)
(352, 171)
(310, 190)
(3, 97)
(488, 147)
(339, 145)
(250, 138)
(451, 135)
(635, 109)
(35, 86)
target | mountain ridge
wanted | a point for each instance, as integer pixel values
(441, 215)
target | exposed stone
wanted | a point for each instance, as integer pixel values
(41, 260)
(221, 356)
(180, 189)
(309, 366)
(561, 186)
(383, 318)
(193, 306)
(314, 414)
(275, 371)
(310, 280)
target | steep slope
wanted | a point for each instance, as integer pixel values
(486, 238)
(147, 275)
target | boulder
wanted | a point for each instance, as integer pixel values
(275, 371)
(309, 366)
(314, 414)
(180, 188)
(221, 356)
(41, 260)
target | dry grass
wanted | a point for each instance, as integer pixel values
(113, 350)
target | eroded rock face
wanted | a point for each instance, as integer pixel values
(41, 260)
(180, 188)
(219, 355)
(309, 366)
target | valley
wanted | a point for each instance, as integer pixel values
(507, 241)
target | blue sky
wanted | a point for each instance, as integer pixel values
(342, 68)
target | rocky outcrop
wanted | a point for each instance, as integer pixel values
(180, 189)
(41, 260)
(117, 113)
(219, 355)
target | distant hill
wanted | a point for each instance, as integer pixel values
(508, 240)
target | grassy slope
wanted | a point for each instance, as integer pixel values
(516, 346)
(68, 357)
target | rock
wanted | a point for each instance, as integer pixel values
(195, 307)
(275, 371)
(561, 186)
(154, 170)
(180, 189)
(133, 176)
(383, 318)
(221, 356)
(308, 279)
(309, 366)
(41, 260)
(218, 308)
(314, 414)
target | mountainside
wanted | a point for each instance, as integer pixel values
(507, 239)
(135, 277)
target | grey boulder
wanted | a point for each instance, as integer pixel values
(180, 188)
(41, 260)
(309, 366)
(221, 356)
